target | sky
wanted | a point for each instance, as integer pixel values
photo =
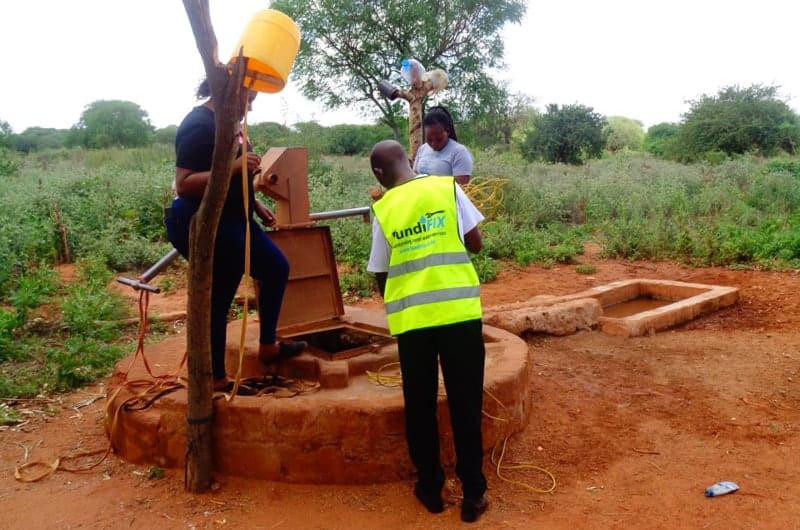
(638, 59)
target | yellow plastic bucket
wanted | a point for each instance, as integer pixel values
(270, 43)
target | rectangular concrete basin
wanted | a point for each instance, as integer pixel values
(676, 303)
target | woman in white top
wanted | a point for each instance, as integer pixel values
(441, 154)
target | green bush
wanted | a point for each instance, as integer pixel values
(585, 268)
(75, 204)
(81, 361)
(352, 140)
(9, 321)
(571, 134)
(357, 283)
(35, 285)
(24, 379)
(737, 121)
(486, 267)
(9, 162)
(789, 165)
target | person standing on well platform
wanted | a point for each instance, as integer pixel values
(422, 229)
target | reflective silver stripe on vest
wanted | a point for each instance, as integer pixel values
(444, 258)
(440, 295)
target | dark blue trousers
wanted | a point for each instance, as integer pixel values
(460, 350)
(268, 265)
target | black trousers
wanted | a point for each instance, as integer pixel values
(460, 350)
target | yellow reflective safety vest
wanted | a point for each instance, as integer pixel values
(431, 280)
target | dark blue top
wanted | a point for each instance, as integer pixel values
(194, 148)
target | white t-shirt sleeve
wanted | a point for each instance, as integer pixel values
(379, 253)
(462, 161)
(421, 153)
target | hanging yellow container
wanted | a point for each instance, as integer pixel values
(270, 43)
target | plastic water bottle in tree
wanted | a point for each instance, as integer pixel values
(412, 70)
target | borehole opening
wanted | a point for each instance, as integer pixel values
(341, 342)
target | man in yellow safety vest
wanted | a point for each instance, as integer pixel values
(422, 229)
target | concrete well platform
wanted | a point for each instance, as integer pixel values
(350, 431)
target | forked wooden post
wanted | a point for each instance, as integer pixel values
(225, 90)
(415, 98)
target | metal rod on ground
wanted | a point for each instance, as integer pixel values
(149, 274)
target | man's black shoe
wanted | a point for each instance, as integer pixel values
(432, 501)
(471, 509)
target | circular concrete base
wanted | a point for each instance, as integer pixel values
(349, 435)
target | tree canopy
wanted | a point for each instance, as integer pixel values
(569, 135)
(738, 120)
(112, 123)
(349, 47)
(623, 133)
(660, 139)
(39, 138)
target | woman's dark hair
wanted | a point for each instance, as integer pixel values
(203, 89)
(439, 115)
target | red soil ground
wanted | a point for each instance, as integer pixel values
(633, 430)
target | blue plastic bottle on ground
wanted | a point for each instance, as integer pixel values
(721, 488)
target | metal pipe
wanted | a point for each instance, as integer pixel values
(363, 211)
(160, 265)
(149, 274)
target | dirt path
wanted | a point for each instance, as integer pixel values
(632, 429)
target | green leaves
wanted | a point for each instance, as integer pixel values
(570, 134)
(349, 47)
(737, 121)
(113, 124)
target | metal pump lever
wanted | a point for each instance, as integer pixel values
(149, 274)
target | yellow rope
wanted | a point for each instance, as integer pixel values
(247, 282)
(378, 378)
(286, 387)
(487, 194)
(497, 461)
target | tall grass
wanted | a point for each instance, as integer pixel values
(68, 205)
(103, 209)
(740, 212)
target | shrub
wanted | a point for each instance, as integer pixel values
(81, 361)
(9, 162)
(737, 121)
(585, 268)
(357, 283)
(571, 134)
(8, 345)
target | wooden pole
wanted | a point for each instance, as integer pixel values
(415, 98)
(226, 85)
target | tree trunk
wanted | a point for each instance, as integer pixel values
(225, 90)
